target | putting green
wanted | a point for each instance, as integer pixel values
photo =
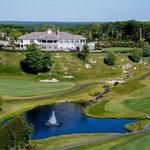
(10, 87)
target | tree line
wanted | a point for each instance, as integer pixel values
(126, 33)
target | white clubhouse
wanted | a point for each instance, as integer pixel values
(50, 40)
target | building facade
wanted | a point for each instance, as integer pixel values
(50, 40)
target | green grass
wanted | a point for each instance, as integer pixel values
(61, 141)
(142, 104)
(65, 63)
(137, 125)
(124, 101)
(112, 106)
(13, 107)
(121, 49)
(128, 87)
(10, 87)
(134, 142)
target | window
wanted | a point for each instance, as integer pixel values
(72, 41)
(66, 41)
(55, 41)
(21, 41)
(43, 41)
(49, 41)
(43, 47)
(31, 41)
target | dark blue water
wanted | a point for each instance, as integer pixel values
(72, 121)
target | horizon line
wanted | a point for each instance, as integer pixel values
(42, 21)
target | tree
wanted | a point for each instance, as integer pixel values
(136, 55)
(84, 53)
(146, 49)
(14, 34)
(15, 134)
(110, 59)
(36, 61)
(45, 27)
(90, 36)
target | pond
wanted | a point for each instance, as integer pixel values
(72, 121)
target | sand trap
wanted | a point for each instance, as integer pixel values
(69, 77)
(49, 81)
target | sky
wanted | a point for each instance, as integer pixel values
(74, 10)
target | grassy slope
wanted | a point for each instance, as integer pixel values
(137, 125)
(13, 107)
(135, 142)
(69, 64)
(117, 104)
(65, 64)
(61, 141)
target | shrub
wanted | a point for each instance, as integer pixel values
(110, 59)
(136, 55)
(11, 70)
(36, 61)
(146, 50)
(15, 133)
(1, 102)
(84, 53)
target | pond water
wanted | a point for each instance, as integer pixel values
(72, 121)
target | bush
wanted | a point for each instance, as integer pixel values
(10, 70)
(1, 102)
(110, 59)
(36, 61)
(84, 53)
(146, 50)
(136, 55)
(15, 133)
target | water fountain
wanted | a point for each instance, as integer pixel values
(52, 120)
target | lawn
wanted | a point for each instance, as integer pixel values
(81, 92)
(134, 142)
(120, 49)
(142, 104)
(18, 88)
(128, 100)
(116, 104)
(61, 141)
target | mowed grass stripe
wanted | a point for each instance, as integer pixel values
(142, 104)
(10, 87)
